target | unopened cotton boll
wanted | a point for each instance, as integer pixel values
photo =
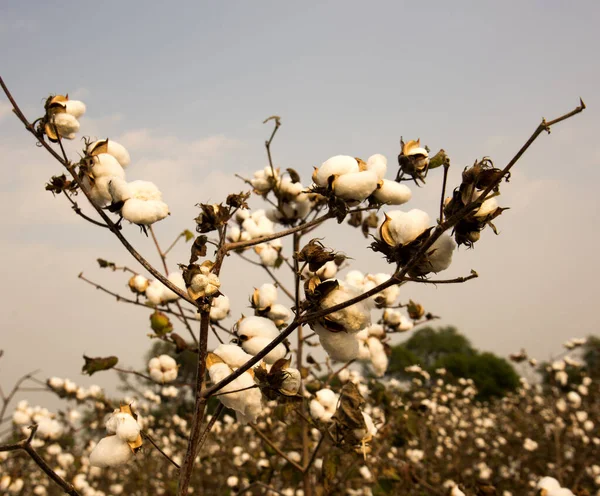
(355, 186)
(66, 125)
(338, 165)
(76, 108)
(392, 193)
(111, 451)
(292, 382)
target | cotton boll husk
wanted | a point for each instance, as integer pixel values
(257, 344)
(379, 358)
(75, 108)
(439, 255)
(144, 212)
(257, 327)
(220, 307)
(232, 355)
(110, 452)
(340, 164)
(66, 125)
(378, 164)
(115, 149)
(177, 279)
(118, 189)
(405, 227)
(340, 346)
(392, 193)
(356, 186)
(106, 165)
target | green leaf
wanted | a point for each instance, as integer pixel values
(189, 235)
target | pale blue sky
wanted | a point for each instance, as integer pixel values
(187, 85)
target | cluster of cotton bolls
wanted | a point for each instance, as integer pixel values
(139, 202)
(67, 388)
(49, 427)
(255, 333)
(163, 369)
(354, 180)
(155, 291)
(252, 226)
(62, 117)
(117, 448)
(264, 301)
(371, 348)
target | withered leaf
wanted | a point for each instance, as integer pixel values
(238, 201)
(97, 364)
(198, 248)
(180, 344)
(294, 176)
(188, 235)
(105, 264)
(348, 414)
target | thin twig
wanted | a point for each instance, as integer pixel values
(78, 211)
(147, 436)
(276, 448)
(474, 275)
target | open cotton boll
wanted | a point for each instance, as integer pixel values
(123, 425)
(401, 228)
(338, 165)
(220, 307)
(106, 165)
(264, 296)
(327, 271)
(378, 164)
(145, 190)
(49, 428)
(253, 326)
(352, 318)
(355, 186)
(232, 355)
(119, 190)
(113, 148)
(163, 369)
(292, 382)
(379, 358)
(66, 125)
(110, 452)
(247, 402)
(363, 350)
(75, 108)
(154, 292)
(268, 255)
(279, 314)
(324, 405)
(388, 296)
(257, 344)
(392, 193)
(143, 212)
(439, 255)
(340, 346)
(99, 189)
(487, 207)
(177, 279)
(356, 279)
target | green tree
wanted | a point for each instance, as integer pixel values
(447, 348)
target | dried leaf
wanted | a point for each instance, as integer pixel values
(97, 364)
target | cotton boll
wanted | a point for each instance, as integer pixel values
(292, 382)
(124, 426)
(356, 279)
(220, 307)
(154, 292)
(264, 296)
(75, 108)
(246, 402)
(279, 314)
(355, 186)
(338, 165)
(119, 190)
(268, 256)
(401, 228)
(363, 350)
(379, 358)
(487, 207)
(105, 165)
(177, 279)
(354, 317)
(317, 410)
(378, 164)
(392, 193)
(113, 148)
(98, 190)
(233, 233)
(110, 452)
(250, 327)
(368, 431)
(327, 271)
(340, 346)
(439, 255)
(49, 428)
(143, 212)
(257, 344)
(145, 190)
(66, 125)
(232, 355)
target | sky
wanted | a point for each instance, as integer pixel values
(186, 88)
